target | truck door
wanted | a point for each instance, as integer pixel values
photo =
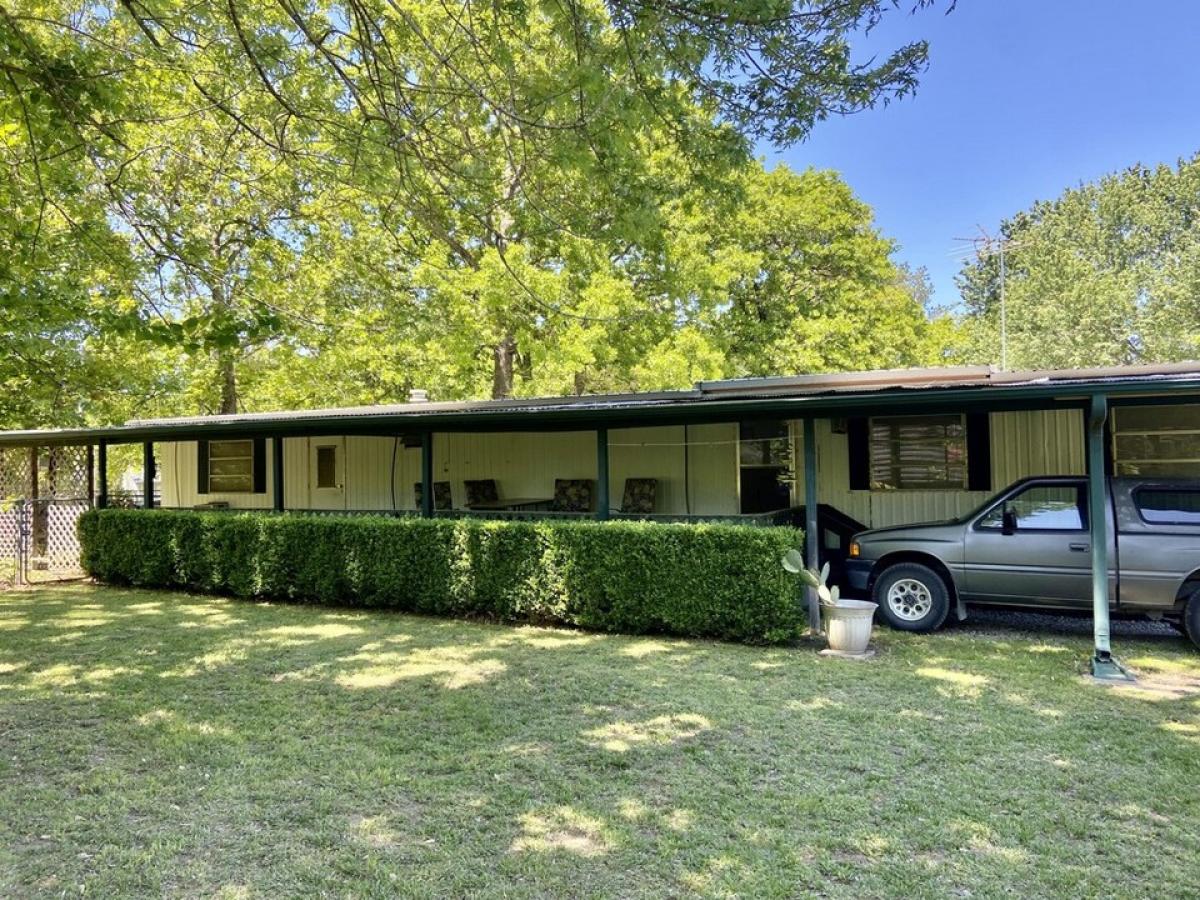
(1032, 548)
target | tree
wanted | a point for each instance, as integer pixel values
(475, 136)
(1108, 273)
(64, 269)
(824, 294)
(766, 273)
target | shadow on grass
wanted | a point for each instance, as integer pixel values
(156, 742)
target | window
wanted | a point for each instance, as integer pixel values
(327, 467)
(1157, 440)
(765, 460)
(231, 467)
(765, 444)
(1168, 506)
(918, 453)
(1041, 507)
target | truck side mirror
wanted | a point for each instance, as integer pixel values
(1008, 522)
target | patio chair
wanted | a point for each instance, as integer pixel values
(639, 496)
(573, 495)
(441, 495)
(481, 491)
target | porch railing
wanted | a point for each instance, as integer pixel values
(775, 517)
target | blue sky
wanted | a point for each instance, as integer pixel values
(1022, 99)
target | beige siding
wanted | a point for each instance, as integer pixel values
(1040, 442)
(703, 481)
(522, 464)
(177, 468)
(696, 466)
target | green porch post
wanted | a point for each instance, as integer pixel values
(602, 500)
(277, 473)
(812, 537)
(148, 475)
(1103, 664)
(427, 474)
(102, 474)
(91, 475)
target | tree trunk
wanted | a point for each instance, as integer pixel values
(228, 379)
(503, 356)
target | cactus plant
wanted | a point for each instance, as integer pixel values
(794, 563)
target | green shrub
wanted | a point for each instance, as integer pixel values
(721, 581)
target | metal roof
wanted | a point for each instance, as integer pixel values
(892, 390)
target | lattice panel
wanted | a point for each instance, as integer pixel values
(61, 472)
(15, 482)
(54, 540)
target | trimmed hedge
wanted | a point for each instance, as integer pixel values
(721, 581)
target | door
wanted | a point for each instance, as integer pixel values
(1033, 547)
(327, 473)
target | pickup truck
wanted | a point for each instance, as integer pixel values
(1029, 546)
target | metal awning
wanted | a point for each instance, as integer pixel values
(950, 389)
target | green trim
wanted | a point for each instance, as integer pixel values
(812, 536)
(602, 498)
(1108, 669)
(148, 475)
(427, 475)
(585, 417)
(1103, 664)
(277, 473)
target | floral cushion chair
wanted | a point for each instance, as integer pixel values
(441, 495)
(639, 496)
(482, 491)
(573, 495)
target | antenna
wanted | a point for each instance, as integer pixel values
(983, 246)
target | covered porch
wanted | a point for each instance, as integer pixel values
(871, 449)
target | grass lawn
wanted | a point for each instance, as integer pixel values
(157, 743)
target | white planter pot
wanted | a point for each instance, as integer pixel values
(848, 624)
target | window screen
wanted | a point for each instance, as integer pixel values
(1044, 507)
(327, 467)
(1168, 506)
(230, 467)
(1157, 440)
(918, 453)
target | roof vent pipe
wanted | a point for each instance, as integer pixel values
(418, 395)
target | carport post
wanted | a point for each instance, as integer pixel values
(427, 474)
(812, 536)
(1103, 664)
(148, 475)
(102, 474)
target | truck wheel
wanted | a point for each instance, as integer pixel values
(1191, 619)
(912, 597)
